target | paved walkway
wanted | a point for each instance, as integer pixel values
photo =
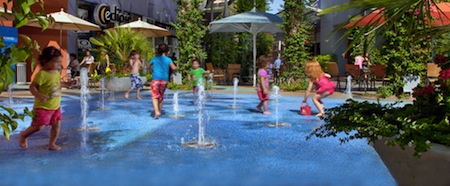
(21, 91)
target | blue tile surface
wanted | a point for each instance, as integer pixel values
(131, 148)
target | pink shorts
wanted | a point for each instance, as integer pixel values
(158, 89)
(262, 96)
(321, 91)
(46, 117)
(328, 87)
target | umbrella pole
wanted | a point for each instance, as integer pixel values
(254, 59)
(60, 36)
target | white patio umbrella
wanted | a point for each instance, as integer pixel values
(6, 15)
(145, 28)
(65, 21)
(253, 22)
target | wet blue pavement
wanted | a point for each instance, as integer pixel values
(131, 148)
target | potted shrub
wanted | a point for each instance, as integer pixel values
(421, 128)
(119, 43)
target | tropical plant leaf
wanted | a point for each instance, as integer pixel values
(23, 22)
(6, 130)
(18, 55)
(9, 110)
(7, 76)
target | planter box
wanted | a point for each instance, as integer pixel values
(432, 168)
(120, 84)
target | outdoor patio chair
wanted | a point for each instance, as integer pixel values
(333, 70)
(355, 72)
(218, 74)
(234, 70)
(379, 74)
(433, 72)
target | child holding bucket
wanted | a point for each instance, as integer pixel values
(321, 81)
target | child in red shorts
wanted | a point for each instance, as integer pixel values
(263, 87)
(45, 87)
(160, 65)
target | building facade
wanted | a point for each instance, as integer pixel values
(332, 43)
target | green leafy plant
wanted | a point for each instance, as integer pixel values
(385, 91)
(120, 42)
(246, 5)
(323, 59)
(10, 56)
(184, 86)
(297, 34)
(442, 44)
(419, 124)
(190, 31)
(9, 119)
(407, 40)
(294, 87)
(404, 55)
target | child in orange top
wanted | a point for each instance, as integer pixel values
(46, 90)
(324, 87)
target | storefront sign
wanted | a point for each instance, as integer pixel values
(84, 44)
(104, 14)
(9, 34)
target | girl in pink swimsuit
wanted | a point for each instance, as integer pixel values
(324, 87)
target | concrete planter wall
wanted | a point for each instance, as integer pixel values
(432, 168)
(120, 84)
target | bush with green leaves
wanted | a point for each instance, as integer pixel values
(385, 91)
(119, 43)
(190, 31)
(324, 58)
(294, 87)
(14, 54)
(297, 33)
(404, 55)
(402, 126)
(9, 119)
(419, 124)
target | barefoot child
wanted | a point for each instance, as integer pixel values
(263, 87)
(46, 90)
(324, 87)
(136, 82)
(196, 75)
(160, 65)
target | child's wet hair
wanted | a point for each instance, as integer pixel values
(195, 60)
(163, 48)
(48, 54)
(262, 62)
(134, 52)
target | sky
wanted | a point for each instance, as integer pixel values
(275, 6)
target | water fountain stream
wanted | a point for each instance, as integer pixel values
(276, 95)
(201, 142)
(10, 102)
(235, 91)
(176, 107)
(84, 97)
(348, 88)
